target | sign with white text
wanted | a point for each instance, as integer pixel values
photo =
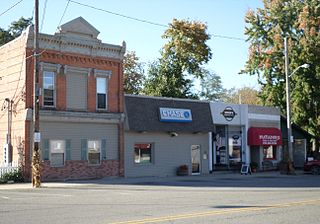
(175, 115)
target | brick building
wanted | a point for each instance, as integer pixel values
(81, 102)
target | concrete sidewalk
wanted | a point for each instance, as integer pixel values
(172, 181)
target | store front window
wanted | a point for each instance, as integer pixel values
(269, 152)
(220, 146)
(228, 145)
(235, 149)
(142, 153)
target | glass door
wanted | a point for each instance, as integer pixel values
(195, 159)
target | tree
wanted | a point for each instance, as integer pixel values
(181, 60)
(244, 95)
(133, 73)
(14, 30)
(211, 87)
(266, 29)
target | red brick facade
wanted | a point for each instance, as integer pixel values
(77, 169)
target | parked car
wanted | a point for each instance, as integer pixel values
(312, 166)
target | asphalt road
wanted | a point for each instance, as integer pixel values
(224, 199)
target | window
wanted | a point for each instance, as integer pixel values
(57, 151)
(101, 93)
(48, 89)
(142, 153)
(94, 152)
(269, 152)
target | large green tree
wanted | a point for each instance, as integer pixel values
(211, 87)
(14, 30)
(299, 21)
(182, 58)
(133, 73)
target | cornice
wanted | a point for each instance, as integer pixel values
(65, 43)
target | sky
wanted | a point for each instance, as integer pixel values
(223, 18)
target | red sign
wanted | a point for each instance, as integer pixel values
(264, 136)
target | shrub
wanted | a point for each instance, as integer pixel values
(15, 176)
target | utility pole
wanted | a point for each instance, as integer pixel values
(36, 178)
(8, 157)
(290, 168)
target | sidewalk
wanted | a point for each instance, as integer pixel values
(216, 176)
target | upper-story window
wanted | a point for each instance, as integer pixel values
(48, 89)
(102, 93)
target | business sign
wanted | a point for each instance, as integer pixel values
(269, 139)
(175, 115)
(228, 113)
(264, 136)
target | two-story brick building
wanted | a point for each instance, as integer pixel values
(81, 102)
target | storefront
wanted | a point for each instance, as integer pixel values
(163, 134)
(244, 134)
(264, 137)
(229, 141)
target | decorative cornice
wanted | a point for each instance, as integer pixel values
(78, 44)
(78, 59)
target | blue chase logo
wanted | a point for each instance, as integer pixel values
(175, 115)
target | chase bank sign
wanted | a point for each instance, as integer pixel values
(175, 115)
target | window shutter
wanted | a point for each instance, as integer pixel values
(104, 149)
(84, 149)
(45, 149)
(68, 149)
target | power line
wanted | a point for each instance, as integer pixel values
(149, 22)
(64, 12)
(121, 15)
(43, 14)
(11, 7)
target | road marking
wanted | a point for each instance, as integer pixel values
(219, 212)
(5, 197)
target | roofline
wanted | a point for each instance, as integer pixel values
(167, 98)
(298, 127)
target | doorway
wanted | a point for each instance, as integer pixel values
(195, 159)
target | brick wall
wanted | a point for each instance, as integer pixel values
(79, 170)
(115, 93)
(12, 86)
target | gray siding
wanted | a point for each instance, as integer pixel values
(75, 132)
(263, 110)
(77, 91)
(168, 153)
(265, 123)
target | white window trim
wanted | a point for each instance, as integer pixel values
(64, 152)
(107, 95)
(100, 142)
(54, 89)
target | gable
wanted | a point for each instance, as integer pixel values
(79, 26)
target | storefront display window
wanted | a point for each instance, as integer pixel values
(142, 153)
(234, 149)
(269, 152)
(220, 145)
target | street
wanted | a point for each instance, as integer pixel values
(265, 198)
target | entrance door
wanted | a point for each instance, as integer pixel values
(195, 159)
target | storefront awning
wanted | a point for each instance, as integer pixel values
(264, 136)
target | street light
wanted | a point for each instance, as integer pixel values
(301, 66)
(290, 169)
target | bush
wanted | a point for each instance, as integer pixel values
(15, 176)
